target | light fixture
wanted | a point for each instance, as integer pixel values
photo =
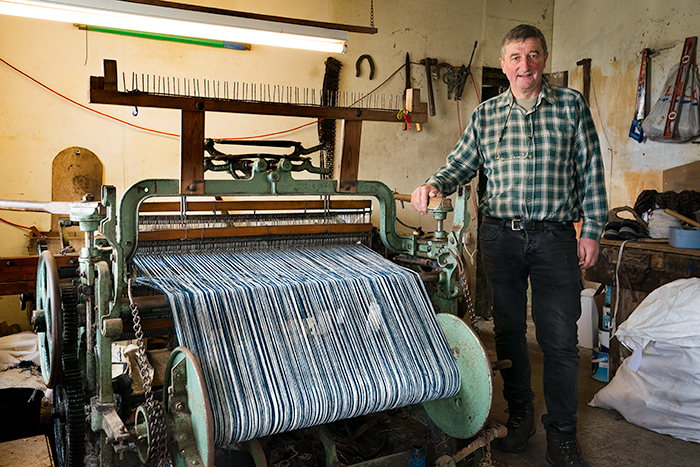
(163, 17)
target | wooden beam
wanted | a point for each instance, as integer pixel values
(586, 62)
(351, 132)
(255, 231)
(243, 14)
(192, 153)
(142, 99)
(255, 205)
(18, 273)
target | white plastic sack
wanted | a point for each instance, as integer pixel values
(23, 346)
(663, 394)
(670, 314)
(688, 123)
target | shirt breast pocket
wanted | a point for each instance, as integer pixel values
(557, 141)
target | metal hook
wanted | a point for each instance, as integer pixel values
(135, 112)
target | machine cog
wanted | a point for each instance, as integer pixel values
(69, 397)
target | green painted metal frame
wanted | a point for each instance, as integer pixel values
(106, 269)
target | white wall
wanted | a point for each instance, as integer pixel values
(612, 35)
(35, 125)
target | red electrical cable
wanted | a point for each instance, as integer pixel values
(84, 106)
(13, 224)
(175, 134)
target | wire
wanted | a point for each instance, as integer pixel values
(84, 106)
(176, 135)
(15, 225)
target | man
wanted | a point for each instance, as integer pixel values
(539, 150)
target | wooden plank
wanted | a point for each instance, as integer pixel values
(254, 205)
(110, 69)
(258, 16)
(351, 133)
(586, 62)
(684, 177)
(656, 264)
(18, 273)
(27, 452)
(75, 172)
(192, 153)
(141, 99)
(181, 234)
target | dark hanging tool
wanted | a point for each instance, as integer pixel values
(455, 78)
(428, 62)
(359, 63)
(406, 123)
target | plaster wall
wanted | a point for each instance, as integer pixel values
(612, 35)
(36, 124)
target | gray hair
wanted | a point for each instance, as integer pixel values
(520, 33)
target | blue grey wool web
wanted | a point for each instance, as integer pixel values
(295, 338)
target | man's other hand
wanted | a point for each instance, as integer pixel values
(419, 198)
(587, 252)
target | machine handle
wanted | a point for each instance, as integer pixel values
(433, 203)
(53, 207)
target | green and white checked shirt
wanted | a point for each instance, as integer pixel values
(544, 164)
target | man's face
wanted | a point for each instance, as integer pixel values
(523, 63)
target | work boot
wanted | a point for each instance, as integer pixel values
(521, 425)
(563, 449)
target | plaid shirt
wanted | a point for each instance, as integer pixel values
(544, 164)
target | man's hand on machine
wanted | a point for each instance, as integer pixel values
(420, 196)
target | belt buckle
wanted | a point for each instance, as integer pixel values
(515, 224)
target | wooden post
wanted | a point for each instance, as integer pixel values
(192, 153)
(351, 131)
(586, 62)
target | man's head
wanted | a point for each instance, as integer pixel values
(523, 59)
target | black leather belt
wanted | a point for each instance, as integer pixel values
(519, 224)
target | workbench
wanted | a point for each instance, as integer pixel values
(645, 265)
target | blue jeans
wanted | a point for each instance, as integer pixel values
(549, 259)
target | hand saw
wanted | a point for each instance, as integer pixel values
(640, 107)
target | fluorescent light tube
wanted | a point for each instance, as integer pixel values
(164, 20)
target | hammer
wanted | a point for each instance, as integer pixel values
(428, 62)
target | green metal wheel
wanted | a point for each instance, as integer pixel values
(465, 414)
(48, 318)
(189, 415)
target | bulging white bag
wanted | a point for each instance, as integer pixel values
(658, 387)
(15, 348)
(688, 123)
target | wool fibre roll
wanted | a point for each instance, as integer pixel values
(294, 338)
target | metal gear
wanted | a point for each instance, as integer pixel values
(69, 397)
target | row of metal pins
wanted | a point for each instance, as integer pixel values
(258, 92)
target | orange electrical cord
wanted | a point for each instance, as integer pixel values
(15, 225)
(174, 134)
(84, 106)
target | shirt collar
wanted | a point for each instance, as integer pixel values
(506, 99)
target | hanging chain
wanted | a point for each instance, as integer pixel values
(461, 267)
(371, 13)
(157, 431)
(486, 459)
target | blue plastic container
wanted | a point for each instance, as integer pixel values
(682, 238)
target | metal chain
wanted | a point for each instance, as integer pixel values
(486, 459)
(467, 294)
(371, 13)
(157, 430)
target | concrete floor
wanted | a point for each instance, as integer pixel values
(606, 438)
